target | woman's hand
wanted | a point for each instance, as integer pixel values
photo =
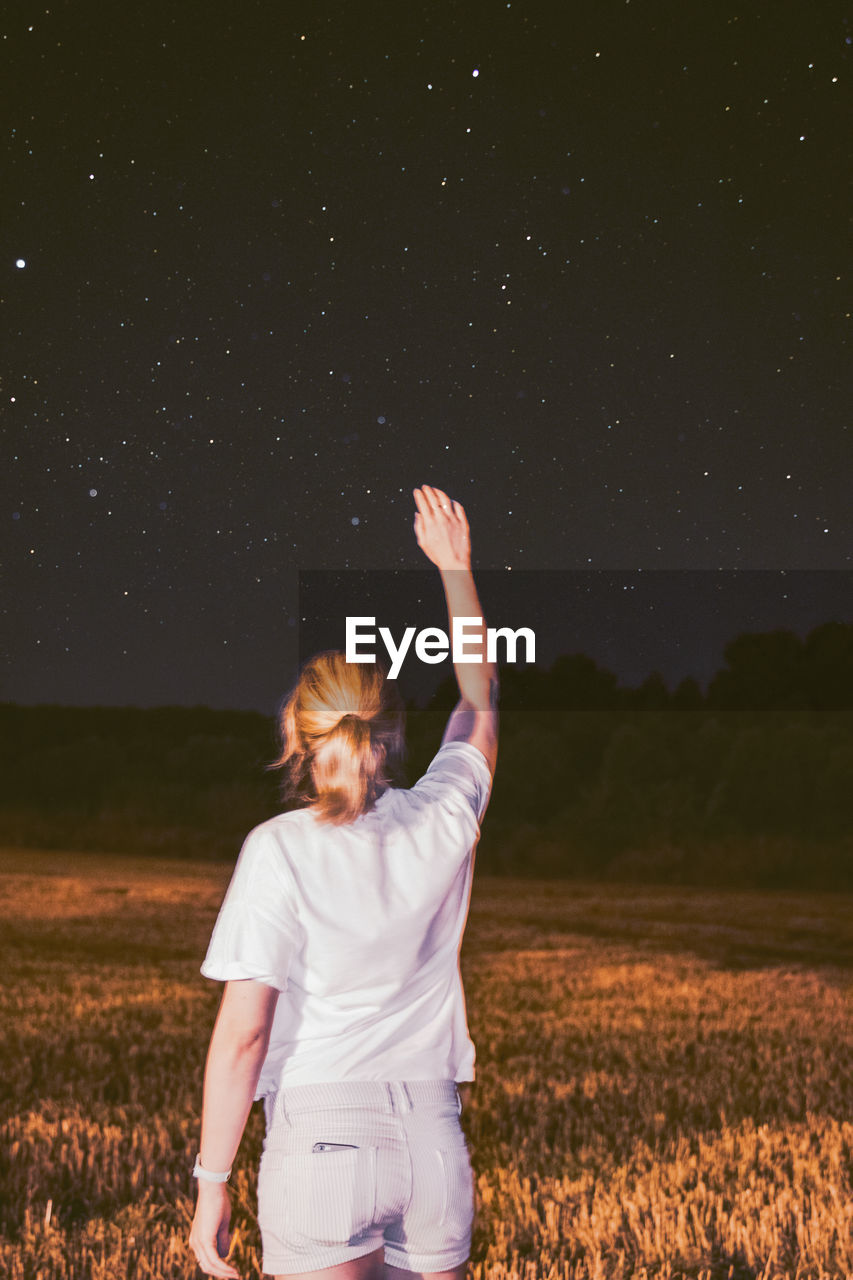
(441, 528)
(209, 1232)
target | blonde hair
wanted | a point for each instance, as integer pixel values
(343, 736)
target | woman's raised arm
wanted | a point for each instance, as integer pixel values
(441, 528)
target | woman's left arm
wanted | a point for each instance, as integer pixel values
(236, 1054)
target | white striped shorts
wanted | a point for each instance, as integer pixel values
(353, 1165)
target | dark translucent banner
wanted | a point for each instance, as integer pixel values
(750, 639)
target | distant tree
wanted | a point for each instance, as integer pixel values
(525, 688)
(636, 763)
(76, 775)
(688, 695)
(652, 695)
(771, 778)
(577, 682)
(828, 666)
(834, 791)
(703, 754)
(763, 671)
(207, 758)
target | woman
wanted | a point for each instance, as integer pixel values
(352, 909)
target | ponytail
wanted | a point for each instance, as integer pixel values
(343, 737)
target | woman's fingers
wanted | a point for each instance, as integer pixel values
(441, 499)
(211, 1263)
(431, 501)
(209, 1235)
(423, 503)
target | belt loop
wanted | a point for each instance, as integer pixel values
(405, 1089)
(458, 1100)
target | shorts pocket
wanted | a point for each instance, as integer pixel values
(318, 1197)
(458, 1203)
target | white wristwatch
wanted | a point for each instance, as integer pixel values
(206, 1175)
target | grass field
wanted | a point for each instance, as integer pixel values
(665, 1076)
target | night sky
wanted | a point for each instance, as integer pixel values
(265, 269)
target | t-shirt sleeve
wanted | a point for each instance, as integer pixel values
(459, 773)
(256, 932)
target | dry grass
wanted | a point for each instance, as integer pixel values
(665, 1077)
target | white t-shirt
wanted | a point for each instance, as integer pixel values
(359, 927)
